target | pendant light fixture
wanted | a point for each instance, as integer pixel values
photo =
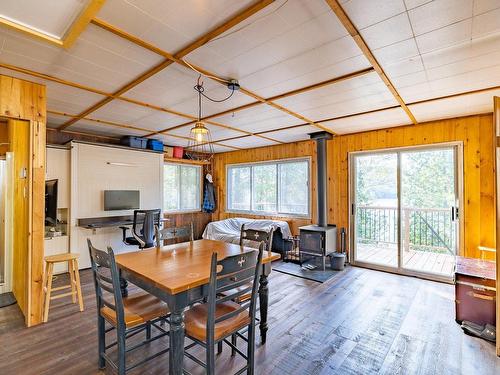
(200, 145)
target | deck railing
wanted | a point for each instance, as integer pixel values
(429, 229)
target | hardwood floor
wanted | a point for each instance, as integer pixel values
(360, 322)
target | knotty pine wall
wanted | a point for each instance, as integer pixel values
(24, 100)
(476, 133)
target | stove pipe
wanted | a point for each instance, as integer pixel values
(321, 165)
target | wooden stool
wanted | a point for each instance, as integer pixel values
(74, 278)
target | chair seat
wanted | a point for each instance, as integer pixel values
(138, 309)
(196, 320)
(63, 257)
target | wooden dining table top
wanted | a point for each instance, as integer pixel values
(179, 267)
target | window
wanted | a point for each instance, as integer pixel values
(181, 187)
(277, 188)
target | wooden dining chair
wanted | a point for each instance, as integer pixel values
(178, 234)
(127, 315)
(210, 323)
(247, 236)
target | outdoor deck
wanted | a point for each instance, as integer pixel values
(422, 261)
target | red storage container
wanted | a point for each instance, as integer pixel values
(178, 152)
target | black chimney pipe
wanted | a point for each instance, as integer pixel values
(321, 163)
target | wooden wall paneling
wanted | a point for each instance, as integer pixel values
(473, 131)
(496, 133)
(19, 139)
(23, 100)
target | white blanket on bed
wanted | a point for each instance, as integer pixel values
(228, 230)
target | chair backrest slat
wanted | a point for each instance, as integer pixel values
(234, 271)
(104, 261)
(174, 233)
(257, 236)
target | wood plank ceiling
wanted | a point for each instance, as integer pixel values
(303, 66)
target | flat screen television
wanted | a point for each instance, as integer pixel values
(121, 200)
(51, 202)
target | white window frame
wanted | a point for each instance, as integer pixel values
(278, 213)
(180, 165)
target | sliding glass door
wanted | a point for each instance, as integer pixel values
(404, 212)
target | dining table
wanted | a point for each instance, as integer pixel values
(178, 274)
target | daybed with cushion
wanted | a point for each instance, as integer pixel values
(228, 230)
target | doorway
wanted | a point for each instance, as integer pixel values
(405, 209)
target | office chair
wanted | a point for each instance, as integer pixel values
(143, 229)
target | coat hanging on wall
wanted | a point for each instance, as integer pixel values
(209, 201)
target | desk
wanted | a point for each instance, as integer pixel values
(178, 274)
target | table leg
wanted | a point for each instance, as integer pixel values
(176, 342)
(264, 302)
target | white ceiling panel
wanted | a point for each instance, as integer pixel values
(385, 33)
(121, 112)
(309, 68)
(249, 142)
(455, 107)
(397, 52)
(171, 86)
(439, 13)
(486, 23)
(474, 80)
(365, 13)
(371, 121)
(103, 129)
(157, 120)
(355, 95)
(258, 118)
(300, 133)
(50, 17)
(86, 62)
(445, 36)
(54, 121)
(288, 76)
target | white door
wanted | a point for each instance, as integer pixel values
(6, 210)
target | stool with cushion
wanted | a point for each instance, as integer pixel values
(220, 317)
(129, 315)
(74, 281)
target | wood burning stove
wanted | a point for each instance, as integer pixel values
(321, 239)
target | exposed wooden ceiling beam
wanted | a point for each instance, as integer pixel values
(281, 96)
(124, 126)
(83, 133)
(81, 22)
(353, 31)
(178, 59)
(123, 98)
(74, 31)
(180, 54)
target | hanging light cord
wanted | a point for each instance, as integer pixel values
(200, 89)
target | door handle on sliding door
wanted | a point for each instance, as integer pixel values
(454, 213)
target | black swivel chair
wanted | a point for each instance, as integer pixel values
(143, 229)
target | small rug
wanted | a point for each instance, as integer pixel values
(317, 274)
(7, 299)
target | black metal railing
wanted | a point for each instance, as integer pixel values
(426, 229)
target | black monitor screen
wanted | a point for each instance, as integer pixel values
(51, 202)
(121, 200)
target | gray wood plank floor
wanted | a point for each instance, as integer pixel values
(360, 322)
